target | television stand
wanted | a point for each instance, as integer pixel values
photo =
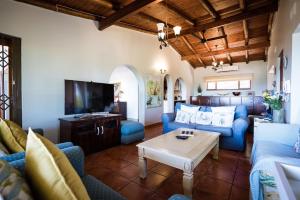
(92, 133)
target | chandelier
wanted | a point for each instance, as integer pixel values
(217, 65)
(162, 33)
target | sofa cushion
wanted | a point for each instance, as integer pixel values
(12, 184)
(13, 136)
(182, 117)
(262, 149)
(225, 131)
(48, 169)
(129, 127)
(175, 125)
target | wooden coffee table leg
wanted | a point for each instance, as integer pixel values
(142, 164)
(187, 183)
(216, 151)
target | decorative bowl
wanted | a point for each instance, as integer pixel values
(236, 93)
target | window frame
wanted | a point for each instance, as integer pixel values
(239, 85)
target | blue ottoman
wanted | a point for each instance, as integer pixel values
(131, 131)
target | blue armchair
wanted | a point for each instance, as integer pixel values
(95, 188)
(231, 138)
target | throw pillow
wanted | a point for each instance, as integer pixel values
(222, 109)
(204, 118)
(3, 150)
(12, 184)
(182, 117)
(192, 110)
(223, 119)
(13, 136)
(50, 172)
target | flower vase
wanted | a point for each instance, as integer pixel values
(278, 116)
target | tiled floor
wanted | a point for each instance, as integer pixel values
(226, 178)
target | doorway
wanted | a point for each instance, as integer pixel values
(168, 94)
(180, 93)
(10, 78)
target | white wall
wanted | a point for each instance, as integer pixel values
(257, 68)
(129, 86)
(56, 46)
(285, 25)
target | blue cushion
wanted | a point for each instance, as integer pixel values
(127, 139)
(178, 106)
(225, 131)
(175, 125)
(268, 148)
(179, 197)
(130, 127)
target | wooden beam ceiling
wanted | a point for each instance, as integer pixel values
(229, 50)
(209, 8)
(188, 44)
(175, 11)
(130, 9)
(248, 14)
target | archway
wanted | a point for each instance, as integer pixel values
(130, 85)
(180, 92)
(168, 94)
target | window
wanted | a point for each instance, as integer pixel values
(229, 85)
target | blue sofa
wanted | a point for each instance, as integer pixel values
(272, 142)
(95, 188)
(231, 138)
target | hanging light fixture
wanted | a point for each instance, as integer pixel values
(217, 65)
(162, 33)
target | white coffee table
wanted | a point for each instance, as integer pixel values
(181, 154)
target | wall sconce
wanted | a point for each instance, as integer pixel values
(162, 71)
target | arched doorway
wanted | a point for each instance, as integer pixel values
(180, 92)
(168, 94)
(130, 84)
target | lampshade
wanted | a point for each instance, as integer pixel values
(160, 26)
(221, 62)
(214, 63)
(161, 35)
(177, 30)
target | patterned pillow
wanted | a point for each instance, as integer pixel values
(204, 118)
(182, 117)
(222, 109)
(12, 184)
(223, 119)
(3, 150)
(192, 110)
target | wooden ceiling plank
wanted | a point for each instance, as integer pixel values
(230, 50)
(130, 9)
(209, 8)
(175, 11)
(189, 45)
(248, 14)
(201, 36)
(225, 41)
(135, 27)
(242, 4)
(247, 56)
(246, 32)
(105, 3)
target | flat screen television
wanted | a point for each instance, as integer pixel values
(87, 97)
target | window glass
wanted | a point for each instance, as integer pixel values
(227, 85)
(211, 85)
(245, 84)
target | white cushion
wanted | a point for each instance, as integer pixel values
(223, 119)
(204, 118)
(192, 110)
(222, 109)
(182, 117)
(297, 144)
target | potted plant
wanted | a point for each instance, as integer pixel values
(199, 90)
(275, 101)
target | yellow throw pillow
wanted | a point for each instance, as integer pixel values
(13, 136)
(50, 172)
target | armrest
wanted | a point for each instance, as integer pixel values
(167, 117)
(240, 125)
(275, 132)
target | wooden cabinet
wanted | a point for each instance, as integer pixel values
(93, 133)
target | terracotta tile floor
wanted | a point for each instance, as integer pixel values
(226, 178)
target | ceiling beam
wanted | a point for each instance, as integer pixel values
(201, 36)
(135, 27)
(229, 50)
(175, 11)
(242, 4)
(105, 3)
(189, 45)
(130, 9)
(248, 14)
(225, 41)
(247, 56)
(209, 8)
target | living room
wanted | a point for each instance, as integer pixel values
(160, 60)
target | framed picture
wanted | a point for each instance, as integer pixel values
(154, 92)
